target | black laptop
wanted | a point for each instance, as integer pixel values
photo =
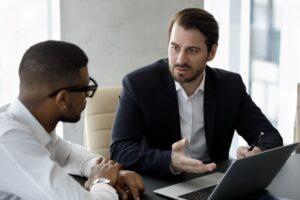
(244, 176)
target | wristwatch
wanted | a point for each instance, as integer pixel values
(100, 180)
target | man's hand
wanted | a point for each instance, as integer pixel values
(104, 168)
(182, 163)
(129, 183)
(243, 152)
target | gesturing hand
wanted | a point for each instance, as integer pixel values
(182, 163)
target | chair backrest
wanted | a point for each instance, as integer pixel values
(99, 115)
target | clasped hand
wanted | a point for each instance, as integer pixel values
(127, 183)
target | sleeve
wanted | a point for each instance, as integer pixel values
(251, 122)
(27, 171)
(129, 146)
(76, 159)
(104, 191)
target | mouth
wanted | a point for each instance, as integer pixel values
(182, 70)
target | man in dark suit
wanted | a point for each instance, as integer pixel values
(178, 112)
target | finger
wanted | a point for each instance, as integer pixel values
(180, 145)
(211, 166)
(98, 161)
(121, 192)
(193, 169)
(250, 153)
(240, 155)
(254, 151)
(201, 169)
(188, 161)
(133, 187)
(196, 166)
(111, 162)
(241, 152)
(139, 182)
(118, 165)
(104, 161)
(192, 165)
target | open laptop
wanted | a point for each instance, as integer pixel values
(244, 176)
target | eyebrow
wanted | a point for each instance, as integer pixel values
(189, 47)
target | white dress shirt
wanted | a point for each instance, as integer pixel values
(35, 164)
(192, 120)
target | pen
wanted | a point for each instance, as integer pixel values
(256, 142)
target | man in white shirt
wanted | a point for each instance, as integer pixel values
(34, 161)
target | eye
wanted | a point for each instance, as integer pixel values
(174, 47)
(193, 50)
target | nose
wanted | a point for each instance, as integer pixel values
(181, 58)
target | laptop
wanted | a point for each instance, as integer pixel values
(244, 176)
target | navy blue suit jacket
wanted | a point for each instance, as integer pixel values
(147, 118)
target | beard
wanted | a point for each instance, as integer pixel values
(69, 119)
(74, 118)
(181, 78)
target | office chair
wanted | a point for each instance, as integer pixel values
(99, 115)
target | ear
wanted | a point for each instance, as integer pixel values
(62, 100)
(212, 52)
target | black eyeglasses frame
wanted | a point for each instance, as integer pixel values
(86, 89)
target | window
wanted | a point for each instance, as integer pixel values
(264, 47)
(23, 23)
(264, 56)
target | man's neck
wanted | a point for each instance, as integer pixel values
(41, 113)
(191, 87)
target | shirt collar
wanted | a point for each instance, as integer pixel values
(200, 87)
(23, 115)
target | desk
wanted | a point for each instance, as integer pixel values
(285, 185)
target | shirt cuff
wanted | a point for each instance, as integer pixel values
(91, 163)
(104, 188)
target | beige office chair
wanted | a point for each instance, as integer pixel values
(99, 115)
(297, 121)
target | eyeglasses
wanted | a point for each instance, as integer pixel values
(89, 90)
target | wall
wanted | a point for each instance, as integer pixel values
(118, 36)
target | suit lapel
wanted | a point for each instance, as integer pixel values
(171, 100)
(210, 100)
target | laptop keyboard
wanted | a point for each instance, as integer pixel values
(201, 194)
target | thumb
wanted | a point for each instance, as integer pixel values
(180, 145)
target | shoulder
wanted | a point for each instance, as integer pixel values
(223, 77)
(222, 74)
(11, 128)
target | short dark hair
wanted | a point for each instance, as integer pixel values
(51, 64)
(199, 19)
